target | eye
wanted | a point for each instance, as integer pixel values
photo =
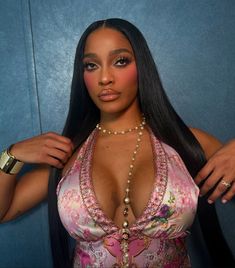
(122, 61)
(89, 66)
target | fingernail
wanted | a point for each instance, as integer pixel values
(209, 201)
(224, 201)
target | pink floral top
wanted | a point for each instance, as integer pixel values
(157, 236)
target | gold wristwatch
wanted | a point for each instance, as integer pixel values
(9, 164)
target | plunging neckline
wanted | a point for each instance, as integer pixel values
(155, 197)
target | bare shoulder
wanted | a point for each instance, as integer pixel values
(209, 143)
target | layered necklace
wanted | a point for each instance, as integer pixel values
(125, 231)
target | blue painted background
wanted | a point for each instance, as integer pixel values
(193, 43)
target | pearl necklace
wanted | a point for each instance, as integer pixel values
(106, 131)
(125, 231)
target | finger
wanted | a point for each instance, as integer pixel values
(219, 190)
(59, 137)
(204, 172)
(65, 147)
(230, 194)
(52, 152)
(51, 136)
(60, 155)
(210, 182)
(54, 162)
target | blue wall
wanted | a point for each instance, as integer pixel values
(193, 43)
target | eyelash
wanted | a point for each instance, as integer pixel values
(89, 66)
(120, 62)
(125, 61)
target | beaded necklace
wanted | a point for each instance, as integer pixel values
(126, 201)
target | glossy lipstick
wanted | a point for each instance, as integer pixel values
(108, 95)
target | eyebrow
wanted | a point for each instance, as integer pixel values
(112, 52)
(120, 50)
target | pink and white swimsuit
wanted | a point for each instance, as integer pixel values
(157, 236)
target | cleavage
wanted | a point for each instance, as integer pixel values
(109, 172)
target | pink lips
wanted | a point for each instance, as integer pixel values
(108, 95)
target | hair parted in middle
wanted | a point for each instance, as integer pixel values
(83, 116)
(154, 104)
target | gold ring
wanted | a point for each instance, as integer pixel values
(225, 183)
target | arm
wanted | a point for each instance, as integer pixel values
(18, 196)
(219, 168)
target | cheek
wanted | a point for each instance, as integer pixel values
(129, 77)
(89, 81)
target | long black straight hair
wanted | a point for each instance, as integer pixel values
(83, 115)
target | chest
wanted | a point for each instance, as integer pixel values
(109, 171)
(170, 195)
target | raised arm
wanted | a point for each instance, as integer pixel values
(18, 196)
(219, 170)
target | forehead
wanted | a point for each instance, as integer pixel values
(106, 39)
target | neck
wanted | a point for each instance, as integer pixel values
(121, 121)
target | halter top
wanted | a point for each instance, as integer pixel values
(157, 237)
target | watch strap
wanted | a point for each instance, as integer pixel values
(9, 164)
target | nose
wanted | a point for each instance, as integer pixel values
(106, 77)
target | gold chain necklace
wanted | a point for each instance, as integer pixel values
(125, 231)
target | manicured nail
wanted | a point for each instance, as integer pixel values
(224, 201)
(209, 201)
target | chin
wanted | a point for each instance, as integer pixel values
(116, 107)
(112, 111)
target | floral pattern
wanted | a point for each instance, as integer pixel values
(158, 236)
(164, 213)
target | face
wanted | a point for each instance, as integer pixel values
(110, 72)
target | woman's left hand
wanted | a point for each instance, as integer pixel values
(219, 171)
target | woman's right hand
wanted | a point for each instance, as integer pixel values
(49, 148)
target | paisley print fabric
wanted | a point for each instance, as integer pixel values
(157, 236)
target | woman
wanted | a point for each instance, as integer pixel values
(122, 132)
